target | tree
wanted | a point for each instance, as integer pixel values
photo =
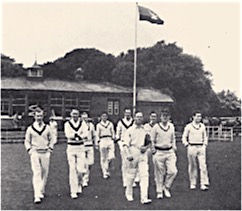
(96, 65)
(230, 104)
(10, 69)
(165, 66)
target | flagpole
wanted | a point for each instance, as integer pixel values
(135, 61)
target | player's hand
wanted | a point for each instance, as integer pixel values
(153, 150)
(143, 149)
(30, 151)
(97, 146)
(130, 158)
(50, 150)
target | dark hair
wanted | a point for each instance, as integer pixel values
(152, 112)
(138, 111)
(196, 112)
(104, 112)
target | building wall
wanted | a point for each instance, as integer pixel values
(100, 103)
(18, 102)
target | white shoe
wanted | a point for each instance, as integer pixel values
(159, 196)
(134, 185)
(136, 179)
(74, 196)
(85, 184)
(204, 187)
(167, 193)
(37, 200)
(41, 196)
(79, 189)
(129, 198)
(192, 187)
(146, 201)
(106, 176)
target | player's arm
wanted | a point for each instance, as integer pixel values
(112, 131)
(173, 138)
(93, 133)
(185, 136)
(68, 131)
(118, 132)
(98, 134)
(51, 140)
(205, 137)
(126, 144)
(27, 141)
(153, 139)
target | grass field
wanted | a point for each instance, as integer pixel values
(224, 166)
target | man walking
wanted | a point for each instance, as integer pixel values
(88, 133)
(39, 144)
(122, 126)
(195, 139)
(135, 147)
(75, 153)
(105, 139)
(164, 157)
(153, 120)
(54, 128)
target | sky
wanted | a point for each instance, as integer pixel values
(49, 29)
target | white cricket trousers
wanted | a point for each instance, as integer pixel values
(76, 161)
(40, 168)
(194, 154)
(106, 147)
(165, 169)
(89, 156)
(124, 163)
(140, 164)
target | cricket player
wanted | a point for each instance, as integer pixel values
(105, 140)
(54, 128)
(164, 157)
(88, 133)
(39, 144)
(135, 147)
(195, 139)
(75, 153)
(122, 126)
(153, 120)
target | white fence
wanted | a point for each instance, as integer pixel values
(218, 133)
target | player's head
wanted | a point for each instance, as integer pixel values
(127, 113)
(153, 117)
(38, 114)
(74, 114)
(104, 116)
(138, 117)
(165, 116)
(84, 116)
(197, 116)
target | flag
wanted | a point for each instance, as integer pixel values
(146, 14)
